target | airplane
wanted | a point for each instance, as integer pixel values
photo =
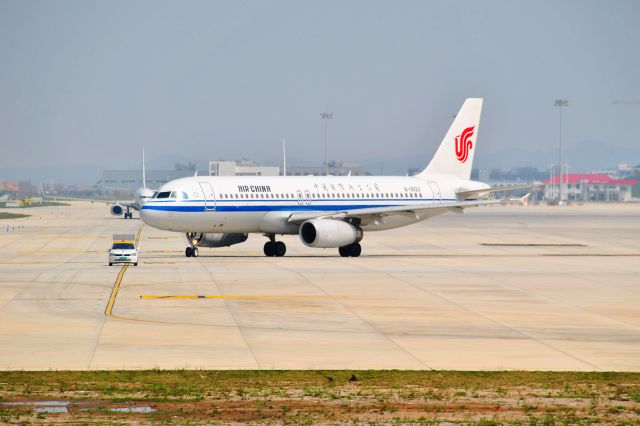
(140, 196)
(325, 211)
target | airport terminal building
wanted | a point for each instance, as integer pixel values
(589, 187)
(242, 167)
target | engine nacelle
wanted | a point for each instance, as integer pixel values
(117, 210)
(216, 239)
(327, 233)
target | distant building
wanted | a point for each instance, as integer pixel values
(589, 187)
(484, 175)
(243, 167)
(130, 180)
(8, 187)
(25, 189)
(341, 169)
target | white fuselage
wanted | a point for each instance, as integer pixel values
(251, 204)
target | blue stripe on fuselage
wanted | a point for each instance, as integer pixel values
(266, 208)
(262, 208)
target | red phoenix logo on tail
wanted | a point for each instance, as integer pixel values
(463, 144)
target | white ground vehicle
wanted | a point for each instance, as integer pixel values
(123, 251)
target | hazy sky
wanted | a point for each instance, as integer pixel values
(85, 84)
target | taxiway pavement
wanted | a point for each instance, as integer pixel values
(538, 288)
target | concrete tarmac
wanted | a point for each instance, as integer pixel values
(537, 288)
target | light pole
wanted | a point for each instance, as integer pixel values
(560, 103)
(566, 175)
(550, 196)
(326, 116)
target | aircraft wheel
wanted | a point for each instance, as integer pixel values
(355, 250)
(188, 251)
(344, 251)
(110, 264)
(135, 264)
(194, 252)
(280, 249)
(269, 249)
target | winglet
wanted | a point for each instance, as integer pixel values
(524, 201)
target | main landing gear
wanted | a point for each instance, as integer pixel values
(128, 214)
(273, 247)
(352, 250)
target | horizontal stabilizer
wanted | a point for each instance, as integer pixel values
(479, 193)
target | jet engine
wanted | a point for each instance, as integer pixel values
(326, 233)
(117, 210)
(216, 239)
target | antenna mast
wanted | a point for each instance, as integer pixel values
(284, 158)
(144, 176)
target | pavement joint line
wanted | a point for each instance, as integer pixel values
(54, 251)
(375, 330)
(231, 312)
(483, 315)
(461, 305)
(239, 296)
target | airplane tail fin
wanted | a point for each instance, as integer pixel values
(455, 153)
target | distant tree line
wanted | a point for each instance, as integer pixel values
(185, 166)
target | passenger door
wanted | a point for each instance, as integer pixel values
(437, 197)
(209, 196)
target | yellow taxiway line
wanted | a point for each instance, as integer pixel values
(116, 285)
(114, 292)
(238, 296)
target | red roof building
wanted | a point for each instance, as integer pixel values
(589, 187)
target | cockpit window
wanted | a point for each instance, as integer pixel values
(179, 195)
(166, 194)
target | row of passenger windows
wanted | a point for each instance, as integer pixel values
(325, 195)
(181, 195)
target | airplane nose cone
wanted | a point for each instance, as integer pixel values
(150, 217)
(153, 215)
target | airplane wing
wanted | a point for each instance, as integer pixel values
(130, 204)
(477, 193)
(371, 214)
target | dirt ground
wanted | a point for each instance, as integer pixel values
(319, 397)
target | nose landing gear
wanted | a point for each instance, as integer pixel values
(273, 247)
(192, 250)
